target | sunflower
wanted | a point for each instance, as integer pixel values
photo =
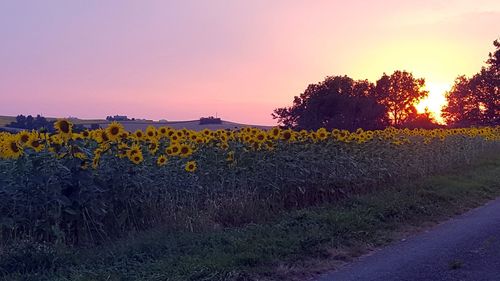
(286, 135)
(190, 166)
(163, 131)
(23, 137)
(134, 150)
(85, 134)
(137, 158)
(260, 137)
(173, 149)
(162, 160)
(114, 131)
(185, 150)
(275, 132)
(174, 138)
(322, 134)
(153, 147)
(11, 148)
(35, 143)
(151, 132)
(138, 135)
(64, 128)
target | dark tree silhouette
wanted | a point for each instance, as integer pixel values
(462, 104)
(422, 120)
(399, 93)
(476, 101)
(337, 102)
(30, 123)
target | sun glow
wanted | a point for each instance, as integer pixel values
(435, 101)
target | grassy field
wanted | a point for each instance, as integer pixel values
(4, 120)
(293, 246)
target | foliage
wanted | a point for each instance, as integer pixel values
(399, 93)
(341, 102)
(476, 100)
(291, 245)
(30, 123)
(81, 188)
(337, 102)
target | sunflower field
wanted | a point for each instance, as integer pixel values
(86, 187)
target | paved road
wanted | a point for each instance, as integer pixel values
(469, 243)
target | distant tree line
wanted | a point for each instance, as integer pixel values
(344, 103)
(38, 123)
(32, 123)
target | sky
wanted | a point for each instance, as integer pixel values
(239, 60)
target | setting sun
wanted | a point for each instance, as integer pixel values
(435, 101)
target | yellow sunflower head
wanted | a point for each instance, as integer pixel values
(35, 143)
(11, 148)
(190, 166)
(114, 131)
(63, 127)
(137, 158)
(173, 149)
(162, 160)
(151, 132)
(185, 150)
(23, 136)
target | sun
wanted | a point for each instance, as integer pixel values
(435, 101)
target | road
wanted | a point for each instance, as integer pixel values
(466, 247)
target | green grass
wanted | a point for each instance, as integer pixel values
(293, 244)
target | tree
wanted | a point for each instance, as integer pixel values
(422, 121)
(399, 93)
(337, 102)
(460, 109)
(30, 123)
(476, 101)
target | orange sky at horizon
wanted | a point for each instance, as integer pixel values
(181, 60)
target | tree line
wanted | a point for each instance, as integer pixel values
(344, 103)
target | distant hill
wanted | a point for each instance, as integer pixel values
(141, 124)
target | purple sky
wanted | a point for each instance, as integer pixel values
(240, 59)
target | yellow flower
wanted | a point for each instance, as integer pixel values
(173, 149)
(23, 137)
(275, 133)
(100, 136)
(136, 158)
(11, 148)
(64, 128)
(153, 147)
(163, 131)
(185, 150)
(85, 134)
(151, 132)
(134, 150)
(138, 135)
(35, 143)
(260, 137)
(114, 131)
(190, 166)
(287, 135)
(162, 160)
